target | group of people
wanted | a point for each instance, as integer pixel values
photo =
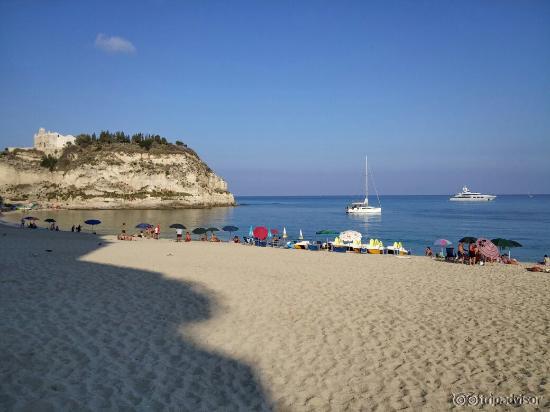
(54, 227)
(31, 224)
(471, 255)
(153, 232)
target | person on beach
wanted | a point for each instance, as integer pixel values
(187, 237)
(204, 238)
(472, 254)
(179, 233)
(546, 260)
(72, 228)
(123, 228)
(157, 231)
(22, 223)
(236, 239)
(461, 252)
(508, 260)
(56, 228)
(214, 238)
(79, 228)
(428, 252)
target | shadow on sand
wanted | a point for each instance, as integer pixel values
(83, 336)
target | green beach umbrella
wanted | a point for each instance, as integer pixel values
(506, 244)
(212, 229)
(199, 231)
(327, 232)
(177, 226)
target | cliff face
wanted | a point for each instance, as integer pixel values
(113, 177)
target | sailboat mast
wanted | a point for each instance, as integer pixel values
(366, 182)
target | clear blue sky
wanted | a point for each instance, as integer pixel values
(287, 97)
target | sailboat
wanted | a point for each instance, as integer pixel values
(363, 208)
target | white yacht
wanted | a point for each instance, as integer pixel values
(467, 196)
(363, 208)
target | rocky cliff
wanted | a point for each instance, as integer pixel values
(113, 176)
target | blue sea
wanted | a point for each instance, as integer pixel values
(416, 221)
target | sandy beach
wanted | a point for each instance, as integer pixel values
(90, 323)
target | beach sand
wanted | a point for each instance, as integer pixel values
(156, 325)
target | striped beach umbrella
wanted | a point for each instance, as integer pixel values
(488, 249)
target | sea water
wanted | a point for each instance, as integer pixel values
(415, 221)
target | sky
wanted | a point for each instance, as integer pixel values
(286, 97)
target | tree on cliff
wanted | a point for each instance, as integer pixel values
(49, 161)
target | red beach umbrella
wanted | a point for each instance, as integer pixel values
(488, 249)
(274, 231)
(260, 232)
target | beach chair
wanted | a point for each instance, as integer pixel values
(314, 246)
(450, 256)
(339, 249)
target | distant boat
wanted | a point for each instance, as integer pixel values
(363, 208)
(467, 196)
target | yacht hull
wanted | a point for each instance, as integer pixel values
(364, 211)
(479, 199)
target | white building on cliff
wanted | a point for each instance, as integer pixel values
(51, 142)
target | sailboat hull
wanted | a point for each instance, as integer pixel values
(364, 210)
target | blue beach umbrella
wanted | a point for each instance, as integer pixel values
(230, 229)
(92, 222)
(251, 232)
(143, 226)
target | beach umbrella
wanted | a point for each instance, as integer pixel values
(92, 222)
(212, 229)
(49, 220)
(506, 244)
(230, 229)
(143, 226)
(488, 249)
(30, 218)
(442, 243)
(274, 232)
(327, 232)
(301, 236)
(269, 234)
(468, 239)
(284, 233)
(250, 232)
(199, 231)
(350, 236)
(177, 226)
(260, 232)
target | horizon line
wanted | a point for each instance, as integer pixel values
(392, 194)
